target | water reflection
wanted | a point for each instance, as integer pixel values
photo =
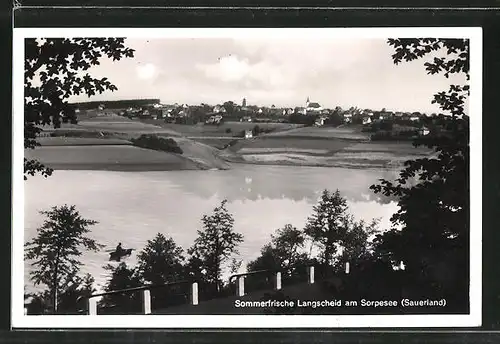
(131, 207)
(278, 182)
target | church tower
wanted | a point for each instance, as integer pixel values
(307, 102)
(244, 102)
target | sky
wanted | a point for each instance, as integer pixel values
(274, 71)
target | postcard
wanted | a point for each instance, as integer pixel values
(247, 177)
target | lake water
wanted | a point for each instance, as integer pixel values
(131, 207)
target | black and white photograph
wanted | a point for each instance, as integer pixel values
(223, 177)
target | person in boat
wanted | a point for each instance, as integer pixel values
(119, 250)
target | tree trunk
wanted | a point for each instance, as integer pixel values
(217, 265)
(54, 288)
(216, 269)
(55, 283)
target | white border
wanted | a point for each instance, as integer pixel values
(19, 320)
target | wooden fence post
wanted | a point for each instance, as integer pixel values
(92, 306)
(194, 294)
(310, 275)
(146, 302)
(277, 281)
(347, 268)
(240, 285)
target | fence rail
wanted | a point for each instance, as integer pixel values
(146, 295)
(194, 300)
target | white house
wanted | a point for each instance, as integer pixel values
(384, 115)
(347, 118)
(313, 107)
(414, 118)
(367, 120)
(320, 121)
(214, 119)
(248, 134)
(219, 108)
(424, 131)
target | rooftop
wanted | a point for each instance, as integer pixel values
(313, 105)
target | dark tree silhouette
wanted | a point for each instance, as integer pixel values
(161, 261)
(229, 106)
(431, 229)
(56, 248)
(285, 250)
(215, 244)
(71, 299)
(122, 277)
(54, 70)
(334, 230)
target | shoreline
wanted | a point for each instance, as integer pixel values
(107, 146)
(229, 163)
(121, 156)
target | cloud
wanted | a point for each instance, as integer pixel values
(287, 63)
(146, 72)
(284, 72)
(235, 69)
(228, 68)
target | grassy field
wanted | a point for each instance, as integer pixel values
(203, 130)
(266, 144)
(343, 132)
(216, 142)
(118, 157)
(396, 148)
(80, 141)
(102, 142)
(124, 130)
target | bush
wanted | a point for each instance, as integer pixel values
(307, 120)
(228, 130)
(157, 143)
(240, 134)
(256, 130)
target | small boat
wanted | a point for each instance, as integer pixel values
(117, 256)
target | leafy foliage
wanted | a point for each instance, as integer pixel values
(122, 277)
(215, 244)
(157, 143)
(456, 60)
(430, 231)
(56, 249)
(284, 251)
(307, 120)
(229, 106)
(71, 299)
(54, 70)
(161, 261)
(335, 231)
(335, 118)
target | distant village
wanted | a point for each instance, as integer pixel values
(251, 113)
(310, 114)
